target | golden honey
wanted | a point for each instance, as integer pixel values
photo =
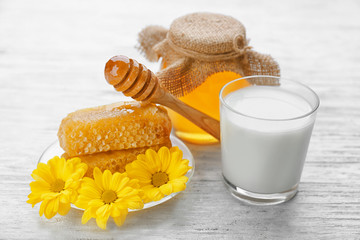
(117, 126)
(200, 53)
(205, 98)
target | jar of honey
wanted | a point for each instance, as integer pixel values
(200, 53)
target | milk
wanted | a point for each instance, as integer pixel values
(265, 132)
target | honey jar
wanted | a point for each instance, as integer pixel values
(200, 53)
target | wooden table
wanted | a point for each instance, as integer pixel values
(52, 55)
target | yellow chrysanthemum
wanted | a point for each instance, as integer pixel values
(159, 173)
(108, 195)
(56, 184)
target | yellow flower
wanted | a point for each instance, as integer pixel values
(108, 195)
(159, 173)
(56, 184)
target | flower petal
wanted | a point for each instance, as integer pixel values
(115, 181)
(165, 157)
(56, 204)
(82, 202)
(75, 169)
(34, 199)
(43, 172)
(174, 149)
(102, 215)
(141, 157)
(89, 192)
(57, 166)
(123, 193)
(178, 171)
(154, 194)
(65, 196)
(86, 181)
(120, 182)
(73, 165)
(101, 222)
(43, 206)
(95, 203)
(115, 211)
(50, 209)
(106, 179)
(178, 184)
(166, 189)
(153, 161)
(145, 166)
(134, 183)
(103, 211)
(49, 195)
(86, 216)
(64, 208)
(119, 221)
(134, 202)
(39, 187)
(98, 177)
(141, 175)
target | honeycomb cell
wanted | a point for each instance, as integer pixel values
(114, 127)
(116, 160)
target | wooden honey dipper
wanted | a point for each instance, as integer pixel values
(136, 81)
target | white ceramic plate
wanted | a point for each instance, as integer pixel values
(55, 150)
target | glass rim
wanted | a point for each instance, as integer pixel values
(313, 109)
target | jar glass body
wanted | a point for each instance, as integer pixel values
(204, 98)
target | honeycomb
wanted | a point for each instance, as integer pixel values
(112, 127)
(115, 161)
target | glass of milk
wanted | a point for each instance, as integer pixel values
(266, 124)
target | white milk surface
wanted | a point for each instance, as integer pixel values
(264, 156)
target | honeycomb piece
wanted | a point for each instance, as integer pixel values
(116, 126)
(115, 161)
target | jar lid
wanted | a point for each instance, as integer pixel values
(206, 33)
(198, 45)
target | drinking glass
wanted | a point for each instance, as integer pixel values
(266, 124)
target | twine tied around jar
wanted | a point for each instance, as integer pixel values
(198, 45)
(240, 45)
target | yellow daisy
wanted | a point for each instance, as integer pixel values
(108, 195)
(159, 173)
(56, 184)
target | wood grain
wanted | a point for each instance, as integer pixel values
(52, 57)
(200, 119)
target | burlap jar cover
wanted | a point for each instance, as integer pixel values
(198, 45)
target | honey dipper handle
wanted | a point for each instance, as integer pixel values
(205, 122)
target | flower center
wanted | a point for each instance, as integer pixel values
(109, 196)
(57, 186)
(159, 179)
